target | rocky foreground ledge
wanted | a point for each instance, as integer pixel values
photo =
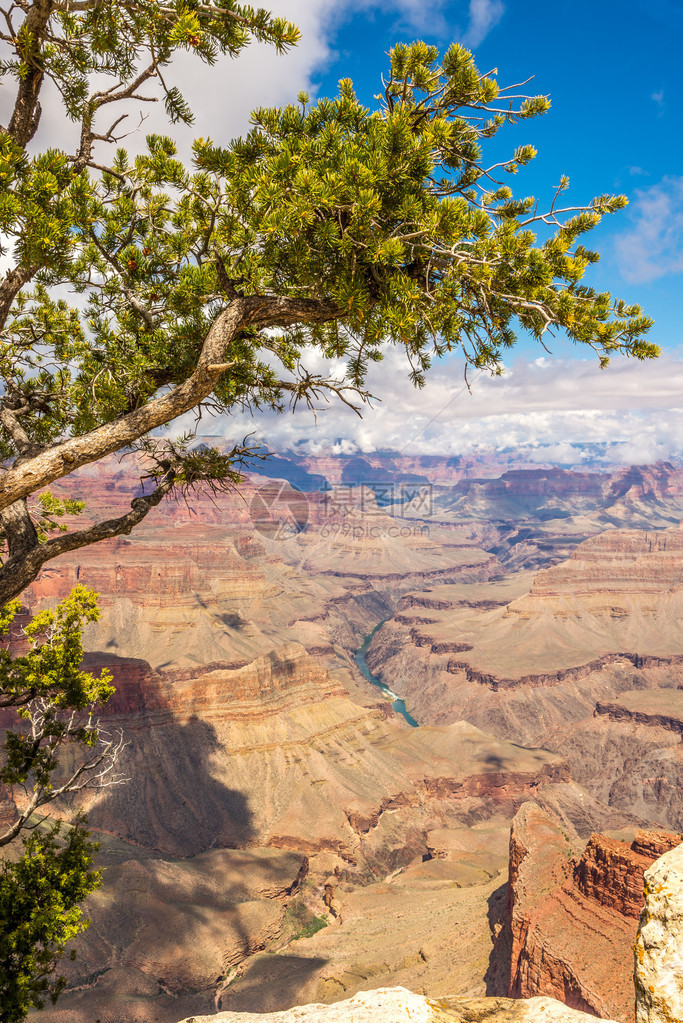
(658, 978)
(397, 1005)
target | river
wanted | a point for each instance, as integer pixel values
(396, 702)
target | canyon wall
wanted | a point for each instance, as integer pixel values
(584, 658)
(605, 874)
(572, 916)
(254, 744)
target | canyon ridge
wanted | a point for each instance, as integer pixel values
(391, 723)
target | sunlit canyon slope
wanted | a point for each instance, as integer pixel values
(284, 834)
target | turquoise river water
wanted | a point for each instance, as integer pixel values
(396, 702)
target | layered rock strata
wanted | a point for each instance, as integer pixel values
(216, 586)
(618, 594)
(250, 734)
(566, 500)
(658, 964)
(396, 931)
(571, 916)
(586, 661)
(275, 754)
(287, 759)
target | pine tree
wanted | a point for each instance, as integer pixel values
(142, 289)
(56, 746)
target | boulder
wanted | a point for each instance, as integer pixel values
(398, 1005)
(658, 973)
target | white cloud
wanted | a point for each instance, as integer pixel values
(222, 97)
(483, 16)
(654, 246)
(633, 410)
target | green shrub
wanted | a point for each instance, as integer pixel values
(302, 920)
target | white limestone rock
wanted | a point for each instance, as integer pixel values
(658, 950)
(397, 1005)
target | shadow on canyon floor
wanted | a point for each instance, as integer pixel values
(171, 803)
(498, 972)
(271, 983)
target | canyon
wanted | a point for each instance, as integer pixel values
(657, 959)
(583, 657)
(284, 836)
(572, 913)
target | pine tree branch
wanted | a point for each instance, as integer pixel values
(26, 561)
(261, 311)
(19, 532)
(12, 284)
(26, 114)
(105, 759)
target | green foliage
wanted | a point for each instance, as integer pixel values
(51, 669)
(391, 214)
(40, 896)
(51, 508)
(57, 749)
(302, 921)
(116, 39)
(49, 201)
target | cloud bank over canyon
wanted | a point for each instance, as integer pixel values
(559, 409)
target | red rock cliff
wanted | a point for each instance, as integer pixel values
(610, 872)
(572, 919)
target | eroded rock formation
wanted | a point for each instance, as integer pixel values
(658, 956)
(276, 754)
(571, 915)
(251, 734)
(164, 932)
(584, 658)
(659, 949)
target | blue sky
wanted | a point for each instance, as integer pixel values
(614, 125)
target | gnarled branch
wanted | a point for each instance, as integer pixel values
(23, 565)
(29, 475)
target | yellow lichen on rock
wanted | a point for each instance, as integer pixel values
(658, 974)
